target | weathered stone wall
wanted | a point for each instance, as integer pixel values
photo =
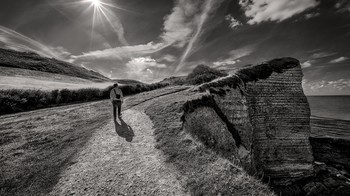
(280, 116)
(234, 105)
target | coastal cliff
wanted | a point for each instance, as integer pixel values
(268, 115)
(256, 120)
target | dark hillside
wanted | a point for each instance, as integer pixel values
(199, 75)
(33, 61)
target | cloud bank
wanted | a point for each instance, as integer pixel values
(274, 10)
(143, 68)
(340, 86)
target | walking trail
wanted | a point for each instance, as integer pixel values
(120, 159)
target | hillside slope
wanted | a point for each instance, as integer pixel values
(32, 61)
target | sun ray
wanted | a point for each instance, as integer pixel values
(93, 26)
(103, 17)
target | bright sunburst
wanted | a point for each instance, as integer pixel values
(101, 13)
(96, 3)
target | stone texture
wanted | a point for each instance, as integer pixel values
(234, 105)
(280, 116)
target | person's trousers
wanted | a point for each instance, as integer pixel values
(117, 105)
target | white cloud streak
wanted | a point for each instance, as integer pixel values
(319, 55)
(120, 53)
(338, 60)
(274, 10)
(13, 40)
(207, 8)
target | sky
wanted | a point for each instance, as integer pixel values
(149, 40)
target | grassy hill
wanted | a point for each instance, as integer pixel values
(33, 61)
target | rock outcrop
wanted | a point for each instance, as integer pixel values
(266, 114)
(280, 116)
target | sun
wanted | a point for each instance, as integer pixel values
(96, 3)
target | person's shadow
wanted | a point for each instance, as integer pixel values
(124, 130)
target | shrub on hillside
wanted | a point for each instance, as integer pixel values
(202, 74)
(16, 100)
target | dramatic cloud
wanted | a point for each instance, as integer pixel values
(11, 39)
(306, 64)
(177, 26)
(233, 22)
(143, 68)
(338, 60)
(182, 27)
(274, 10)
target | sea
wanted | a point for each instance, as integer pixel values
(337, 107)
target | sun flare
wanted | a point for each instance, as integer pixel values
(96, 3)
(103, 14)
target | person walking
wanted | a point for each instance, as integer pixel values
(116, 96)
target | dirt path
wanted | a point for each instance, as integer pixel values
(120, 159)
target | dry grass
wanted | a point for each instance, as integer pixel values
(36, 146)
